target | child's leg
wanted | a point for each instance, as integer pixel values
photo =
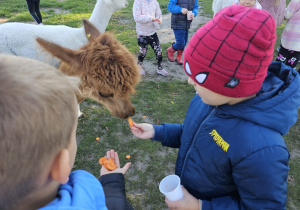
(31, 9)
(282, 54)
(37, 10)
(180, 39)
(293, 58)
(143, 48)
(154, 43)
(186, 37)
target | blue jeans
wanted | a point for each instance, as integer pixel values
(181, 37)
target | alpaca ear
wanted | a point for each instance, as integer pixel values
(67, 55)
(90, 30)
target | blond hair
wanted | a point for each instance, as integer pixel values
(37, 116)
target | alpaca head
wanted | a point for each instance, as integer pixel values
(108, 70)
(119, 4)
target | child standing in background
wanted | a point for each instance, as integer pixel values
(249, 3)
(276, 8)
(180, 25)
(34, 10)
(146, 13)
(289, 52)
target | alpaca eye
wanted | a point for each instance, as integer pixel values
(106, 96)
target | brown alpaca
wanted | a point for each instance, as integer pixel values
(107, 69)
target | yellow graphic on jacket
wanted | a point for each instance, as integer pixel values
(219, 140)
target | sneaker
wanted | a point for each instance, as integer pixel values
(142, 72)
(162, 72)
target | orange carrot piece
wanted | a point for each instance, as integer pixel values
(130, 121)
(103, 160)
(110, 165)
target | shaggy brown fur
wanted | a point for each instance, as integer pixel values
(108, 70)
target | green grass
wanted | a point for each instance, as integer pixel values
(153, 102)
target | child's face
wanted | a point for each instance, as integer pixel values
(209, 97)
(247, 3)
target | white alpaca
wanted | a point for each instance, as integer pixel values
(19, 38)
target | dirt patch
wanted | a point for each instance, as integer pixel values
(166, 35)
(3, 20)
(56, 10)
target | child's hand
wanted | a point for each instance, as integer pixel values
(187, 202)
(154, 19)
(184, 11)
(159, 20)
(115, 156)
(143, 131)
(192, 16)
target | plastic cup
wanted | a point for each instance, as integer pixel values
(188, 15)
(170, 186)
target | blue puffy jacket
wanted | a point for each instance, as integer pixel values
(234, 157)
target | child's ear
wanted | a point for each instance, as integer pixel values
(61, 169)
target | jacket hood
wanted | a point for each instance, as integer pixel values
(82, 192)
(276, 104)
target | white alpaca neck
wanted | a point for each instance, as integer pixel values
(102, 13)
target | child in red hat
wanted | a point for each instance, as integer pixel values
(231, 151)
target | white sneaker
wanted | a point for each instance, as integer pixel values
(162, 72)
(142, 72)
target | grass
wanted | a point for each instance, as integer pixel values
(153, 102)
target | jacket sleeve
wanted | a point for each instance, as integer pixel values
(216, 6)
(261, 181)
(173, 8)
(195, 9)
(114, 189)
(137, 13)
(292, 8)
(168, 134)
(158, 11)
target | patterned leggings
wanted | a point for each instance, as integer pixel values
(153, 41)
(288, 57)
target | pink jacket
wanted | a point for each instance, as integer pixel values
(143, 11)
(276, 11)
(290, 38)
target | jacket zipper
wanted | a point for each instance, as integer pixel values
(194, 141)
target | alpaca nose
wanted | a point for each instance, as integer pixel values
(131, 112)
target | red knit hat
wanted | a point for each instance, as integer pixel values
(231, 53)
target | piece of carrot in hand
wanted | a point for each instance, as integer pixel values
(130, 121)
(108, 164)
(102, 160)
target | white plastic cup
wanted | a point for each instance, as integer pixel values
(170, 186)
(188, 15)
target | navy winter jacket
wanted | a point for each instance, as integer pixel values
(234, 156)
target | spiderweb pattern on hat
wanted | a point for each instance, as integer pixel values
(236, 44)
